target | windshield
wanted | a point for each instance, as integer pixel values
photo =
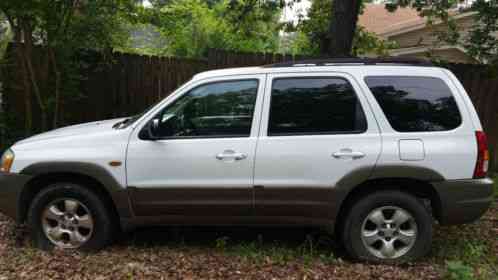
(131, 120)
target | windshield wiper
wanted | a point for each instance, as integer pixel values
(125, 123)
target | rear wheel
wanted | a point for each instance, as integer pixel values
(69, 216)
(386, 227)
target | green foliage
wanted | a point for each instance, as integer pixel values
(190, 27)
(313, 34)
(62, 28)
(481, 41)
(456, 270)
(366, 42)
(259, 251)
(313, 31)
(5, 35)
(221, 243)
(145, 39)
(468, 250)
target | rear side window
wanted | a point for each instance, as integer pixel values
(415, 104)
(305, 106)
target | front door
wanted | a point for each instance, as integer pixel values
(202, 164)
(316, 128)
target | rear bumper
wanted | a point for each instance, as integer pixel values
(11, 185)
(463, 201)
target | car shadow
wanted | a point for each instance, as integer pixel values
(225, 237)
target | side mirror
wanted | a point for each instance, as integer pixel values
(152, 129)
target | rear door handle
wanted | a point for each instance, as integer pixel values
(348, 153)
(231, 154)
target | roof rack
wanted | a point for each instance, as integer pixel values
(352, 61)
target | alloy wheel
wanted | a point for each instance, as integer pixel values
(389, 232)
(67, 223)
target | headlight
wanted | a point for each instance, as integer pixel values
(7, 160)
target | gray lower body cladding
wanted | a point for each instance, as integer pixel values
(11, 186)
(463, 201)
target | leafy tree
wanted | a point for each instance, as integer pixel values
(190, 27)
(339, 38)
(5, 35)
(482, 42)
(342, 27)
(314, 37)
(63, 27)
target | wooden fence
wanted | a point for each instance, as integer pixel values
(127, 84)
(482, 88)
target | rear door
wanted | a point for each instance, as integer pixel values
(316, 129)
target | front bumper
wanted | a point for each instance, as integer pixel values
(463, 201)
(11, 185)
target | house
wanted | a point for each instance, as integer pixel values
(414, 37)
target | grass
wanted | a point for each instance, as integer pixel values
(470, 251)
(259, 251)
(458, 252)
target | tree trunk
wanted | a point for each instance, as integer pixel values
(28, 56)
(36, 89)
(343, 27)
(19, 50)
(324, 45)
(28, 116)
(57, 86)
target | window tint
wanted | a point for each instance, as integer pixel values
(211, 110)
(415, 103)
(314, 106)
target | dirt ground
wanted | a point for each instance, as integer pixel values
(459, 252)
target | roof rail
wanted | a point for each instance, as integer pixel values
(352, 60)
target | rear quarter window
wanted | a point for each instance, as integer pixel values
(415, 104)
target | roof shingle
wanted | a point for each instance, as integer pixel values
(377, 19)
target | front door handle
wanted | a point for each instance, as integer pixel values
(348, 153)
(231, 155)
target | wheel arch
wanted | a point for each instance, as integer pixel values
(88, 175)
(416, 181)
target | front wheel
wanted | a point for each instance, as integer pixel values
(387, 227)
(69, 216)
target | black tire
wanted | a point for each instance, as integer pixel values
(352, 227)
(103, 228)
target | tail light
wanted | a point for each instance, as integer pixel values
(482, 155)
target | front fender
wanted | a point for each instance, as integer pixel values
(116, 191)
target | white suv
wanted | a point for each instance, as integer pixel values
(371, 150)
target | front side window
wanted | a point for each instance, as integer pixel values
(317, 105)
(220, 109)
(415, 104)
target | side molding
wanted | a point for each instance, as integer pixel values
(118, 192)
(407, 172)
(358, 176)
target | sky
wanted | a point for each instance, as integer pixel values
(291, 14)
